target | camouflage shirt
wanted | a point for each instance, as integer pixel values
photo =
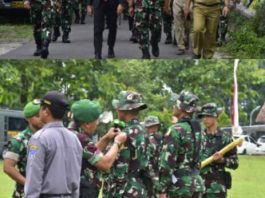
(17, 150)
(178, 174)
(91, 155)
(124, 179)
(213, 173)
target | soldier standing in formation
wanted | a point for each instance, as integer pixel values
(125, 177)
(206, 15)
(101, 9)
(86, 115)
(217, 180)
(179, 159)
(148, 16)
(152, 126)
(16, 154)
(54, 154)
(42, 13)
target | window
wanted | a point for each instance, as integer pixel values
(16, 124)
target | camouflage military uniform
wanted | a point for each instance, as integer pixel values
(148, 15)
(213, 174)
(90, 175)
(18, 146)
(125, 177)
(42, 15)
(179, 173)
(80, 4)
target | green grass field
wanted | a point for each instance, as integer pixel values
(248, 179)
(15, 33)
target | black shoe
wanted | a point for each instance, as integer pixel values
(168, 39)
(66, 38)
(44, 50)
(98, 56)
(111, 53)
(195, 56)
(155, 50)
(56, 34)
(37, 52)
(146, 54)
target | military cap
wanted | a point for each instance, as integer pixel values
(129, 100)
(187, 102)
(31, 109)
(151, 121)
(55, 100)
(86, 110)
(210, 109)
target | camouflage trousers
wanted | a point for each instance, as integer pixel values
(80, 5)
(194, 195)
(18, 192)
(214, 195)
(67, 12)
(57, 17)
(146, 19)
(42, 16)
(133, 188)
(167, 23)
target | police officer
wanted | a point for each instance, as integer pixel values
(206, 15)
(42, 13)
(126, 176)
(86, 117)
(101, 9)
(152, 126)
(54, 153)
(16, 155)
(217, 180)
(179, 159)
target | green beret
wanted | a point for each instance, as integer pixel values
(31, 109)
(85, 110)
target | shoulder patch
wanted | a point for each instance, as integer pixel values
(33, 150)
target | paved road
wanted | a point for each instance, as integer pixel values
(82, 45)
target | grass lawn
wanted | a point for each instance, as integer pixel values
(15, 33)
(248, 179)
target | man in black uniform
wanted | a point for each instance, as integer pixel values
(102, 9)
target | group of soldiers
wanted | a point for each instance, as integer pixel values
(132, 159)
(144, 16)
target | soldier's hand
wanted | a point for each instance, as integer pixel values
(225, 11)
(112, 133)
(186, 11)
(90, 10)
(27, 5)
(119, 9)
(167, 10)
(218, 157)
(121, 137)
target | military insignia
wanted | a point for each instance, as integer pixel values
(33, 150)
(130, 96)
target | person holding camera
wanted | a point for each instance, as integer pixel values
(217, 180)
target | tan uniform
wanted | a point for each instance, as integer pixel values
(205, 22)
(182, 26)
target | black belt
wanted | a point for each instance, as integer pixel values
(53, 195)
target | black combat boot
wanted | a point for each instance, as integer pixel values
(77, 17)
(38, 46)
(83, 18)
(66, 38)
(133, 38)
(44, 49)
(56, 34)
(146, 54)
(155, 49)
(168, 39)
(98, 56)
(111, 53)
